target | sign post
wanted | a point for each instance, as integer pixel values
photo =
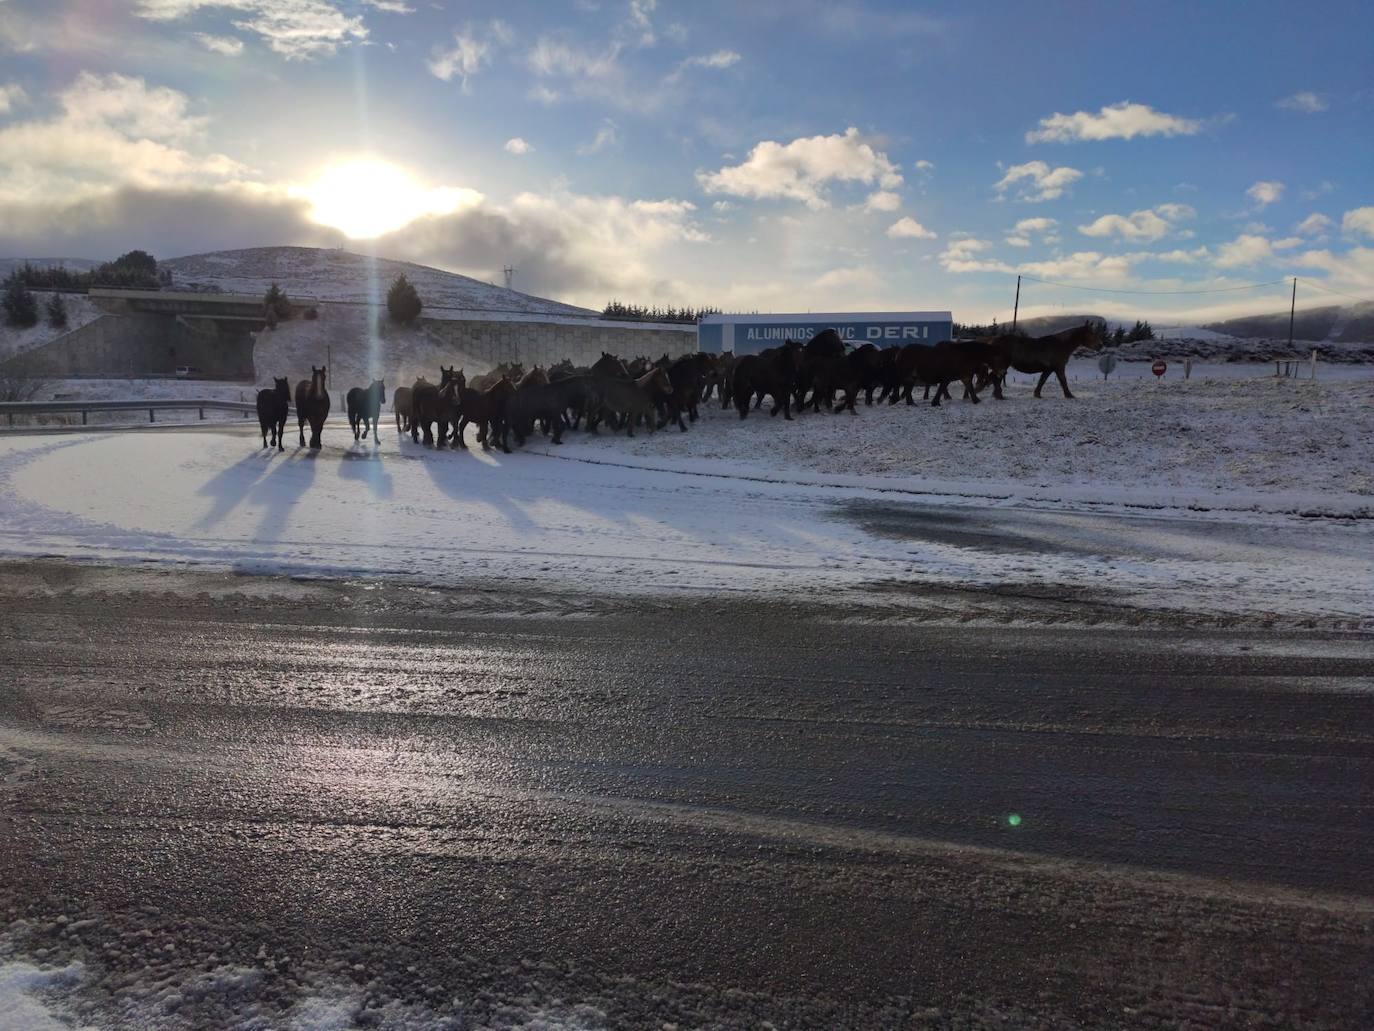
(1159, 367)
(1106, 364)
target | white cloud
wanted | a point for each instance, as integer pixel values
(909, 229)
(1265, 192)
(1091, 266)
(464, 59)
(296, 29)
(605, 137)
(1123, 121)
(1021, 233)
(1306, 101)
(924, 166)
(1039, 182)
(1325, 186)
(1314, 224)
(1145, 226)
(720, 59)
(802, 169)
(112, 130)
(1246, 249)
(515, 145)
(551, 57)
(1352, 271)
(11, 95)
(1357, 221)
(883, 200)
(1287, 243)
(962, 255)
(722, 206)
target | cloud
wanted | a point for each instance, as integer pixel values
(1123, 121)
(515, 145)
(1307, 102)
(112, 130)
(1144, 226)
(552, 57)
(1358, 221)
(1314, 224)
(1352, 271)
(720, 59)
(390, 6)
(229, 46)
(962, 256)
(883, 200)
(1265, 192)
(1039, 181)
(909, 229)
(803, 169)
(1021, 233)
(1246, 249)
(1089, 266)
(296, 29)
(11, 95)
(924, 166)
(605, 137)
(467, 56)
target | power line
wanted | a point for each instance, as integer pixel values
(1332, 290)
(1116, 290)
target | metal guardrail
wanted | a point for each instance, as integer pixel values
(12, 408)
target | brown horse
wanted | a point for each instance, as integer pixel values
(772, 371)
(485, 409)
(631, 400)
(512, 371)
(273, 406)
(400, 404)
(312, 406)
(1047, 354)
(364, 406)
(431, 404)
(609, 365)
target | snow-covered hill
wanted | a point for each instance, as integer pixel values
(337, 275)
(15, 340)
(8, 265)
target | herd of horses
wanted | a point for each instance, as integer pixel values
(510, 402)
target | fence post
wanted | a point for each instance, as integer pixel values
(202, 415)
(151, 416)
(83, 417)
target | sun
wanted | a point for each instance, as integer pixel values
(365, 198)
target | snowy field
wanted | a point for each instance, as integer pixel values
(1185, 496)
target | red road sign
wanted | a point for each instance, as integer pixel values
(1158, 367)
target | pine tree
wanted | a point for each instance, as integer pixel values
(20, 307)
(276, 305)
(403, 301)
(57, 311)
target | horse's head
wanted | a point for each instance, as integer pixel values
(1089, 335)
(282, 384)
(317, 378)
(460, 379)
(379, 386)
(445, 375)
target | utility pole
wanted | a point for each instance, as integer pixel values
(1292, 308)
(509, 273)
(1016, 308)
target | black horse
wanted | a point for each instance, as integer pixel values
(312, 405)
(364, 406)
(273, 406)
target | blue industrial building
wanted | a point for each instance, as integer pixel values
(750, 334)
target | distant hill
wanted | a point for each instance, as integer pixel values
(1351, 323)
(337, 275)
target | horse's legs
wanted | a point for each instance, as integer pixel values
(301, 427)
(458, 432)
(1063, 382)
(1043, 376)
(969, 392)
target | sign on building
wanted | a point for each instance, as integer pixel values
(750, 334)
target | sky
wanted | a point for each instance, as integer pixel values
(779, 155)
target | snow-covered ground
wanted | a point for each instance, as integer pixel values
(15, 340)
(1105, 494)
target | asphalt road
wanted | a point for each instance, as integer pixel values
(235, 800)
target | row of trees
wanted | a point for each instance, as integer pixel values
(1110, 337)
(643, 313)
(133, 270)
(21, 307)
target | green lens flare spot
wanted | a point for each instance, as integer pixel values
(1014, 820)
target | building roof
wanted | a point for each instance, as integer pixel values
(830, 316)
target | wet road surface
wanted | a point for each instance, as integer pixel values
(496, 810)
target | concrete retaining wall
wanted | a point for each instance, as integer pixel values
(136, 344)
(548, 343)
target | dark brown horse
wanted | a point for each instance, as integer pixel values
(485, 409)
(431, 405)
(400, 404)
(312, 406)
(609, 365)
(364, 406)
(1047, 354)
(773, 371)
(273, 406)
(513, 371)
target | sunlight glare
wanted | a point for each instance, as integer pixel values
(366, 198)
